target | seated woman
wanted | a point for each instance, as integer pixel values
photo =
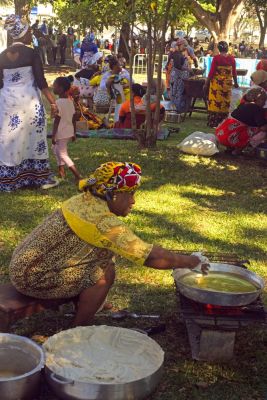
(82, 112)
(262, 65)
(72, 252)
(116, 81)
(246, 125)
(125, 120)
(259, 79)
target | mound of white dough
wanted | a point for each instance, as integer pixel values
(102, 354)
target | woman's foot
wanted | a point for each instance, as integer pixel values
(51, 183)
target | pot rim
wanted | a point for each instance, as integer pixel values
(50, 372)
(24, 339)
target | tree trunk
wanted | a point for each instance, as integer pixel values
(124, 40)
(23, 9)
(149, 127)
(262, 36)
(159, 70)
(263, 24)
(133, 114)
(220, 22)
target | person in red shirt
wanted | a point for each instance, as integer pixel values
(219, 85)
(246, 125)
(262, 65)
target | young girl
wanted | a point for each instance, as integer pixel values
(64, 127)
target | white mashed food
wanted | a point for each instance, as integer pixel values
(102, 354)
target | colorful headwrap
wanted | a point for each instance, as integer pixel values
(15, 26)
(113, 177)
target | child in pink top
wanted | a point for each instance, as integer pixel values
(64, 129)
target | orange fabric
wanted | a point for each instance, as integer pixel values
(126, 106)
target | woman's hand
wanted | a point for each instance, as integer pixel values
(160, 258)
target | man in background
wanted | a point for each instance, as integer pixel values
(62, 47)
(44, 28)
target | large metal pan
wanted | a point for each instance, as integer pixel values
(70, 389)
(220, 298)
(67, 389)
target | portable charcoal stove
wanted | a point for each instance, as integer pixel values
(212, 329)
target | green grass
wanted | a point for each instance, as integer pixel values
(185, 202)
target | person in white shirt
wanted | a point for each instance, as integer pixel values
(64, 129)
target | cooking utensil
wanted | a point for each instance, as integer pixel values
(220, 298)
(69, 389)
(127, 314)
(21, 361)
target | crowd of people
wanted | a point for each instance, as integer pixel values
(23, 143)
(51, 43)
(105, 83)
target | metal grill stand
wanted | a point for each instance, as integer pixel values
(212, 330)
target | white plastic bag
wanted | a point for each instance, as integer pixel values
(199, 143)
(236, 96)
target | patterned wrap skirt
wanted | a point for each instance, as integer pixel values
(23, 145)
(234, 134)
(177, 89)
(219, 96)
(54, 263)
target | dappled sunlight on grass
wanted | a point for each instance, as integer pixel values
(185, 202)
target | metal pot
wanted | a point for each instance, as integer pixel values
(220, 298)
(21, 361)
(67, 389)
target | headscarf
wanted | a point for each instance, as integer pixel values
(182, 41)
(93, 60)
(258, 77)
(112, 177)
(223, 46)
(15, 26)
(254, 94)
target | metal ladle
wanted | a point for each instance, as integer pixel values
(127, 314)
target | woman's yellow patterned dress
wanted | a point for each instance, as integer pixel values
(70, 250)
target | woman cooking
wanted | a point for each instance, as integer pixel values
(72, 252)
(219, 85)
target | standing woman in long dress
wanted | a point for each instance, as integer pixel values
(23, 145)
(219, 85)
(179, 72)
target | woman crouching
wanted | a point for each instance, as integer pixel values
(247, 125)
(71, 253)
